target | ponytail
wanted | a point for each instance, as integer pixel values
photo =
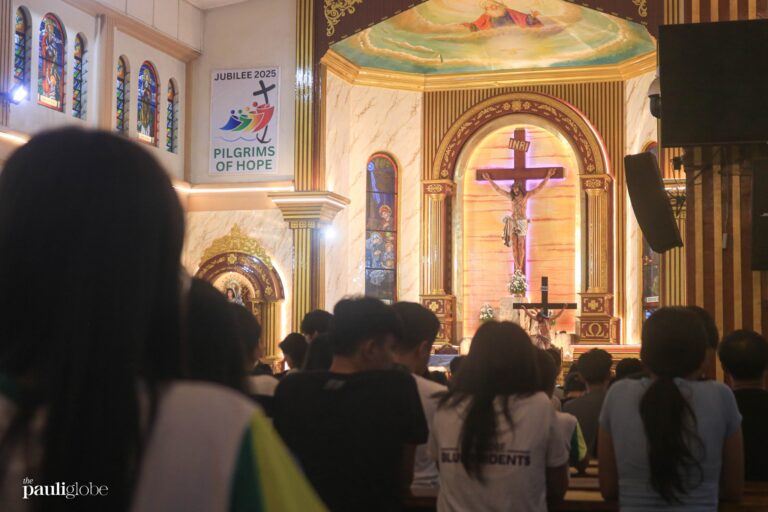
(670, 427)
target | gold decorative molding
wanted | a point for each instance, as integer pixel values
(236, 241)
(335, 10)
(376, 77)
(309, 209)
(642, 7)
(304, 130)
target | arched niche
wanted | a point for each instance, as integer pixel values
(596, 321)
(238, 261)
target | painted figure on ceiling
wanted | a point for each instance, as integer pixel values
(497, 14)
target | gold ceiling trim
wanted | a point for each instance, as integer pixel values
(236, 241)
(337, 9)
(375, 77)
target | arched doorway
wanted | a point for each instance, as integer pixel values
(238, 265)
(596, 323)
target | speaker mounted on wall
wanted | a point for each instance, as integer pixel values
(650, 202)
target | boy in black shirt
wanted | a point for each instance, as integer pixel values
(744, 356)
(354, 428)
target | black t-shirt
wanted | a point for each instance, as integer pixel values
(348, 432)
(753, 406)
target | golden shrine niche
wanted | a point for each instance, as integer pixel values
(596, 322)
(241, 269)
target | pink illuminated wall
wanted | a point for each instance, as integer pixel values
(553, 231)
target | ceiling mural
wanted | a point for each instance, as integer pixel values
(472, 36)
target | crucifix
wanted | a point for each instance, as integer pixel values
(541, 311)
(516, 224)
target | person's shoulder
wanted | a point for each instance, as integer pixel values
(427, 385)
(565, 418)
(302, 380)
(201, 399)
(262, 384)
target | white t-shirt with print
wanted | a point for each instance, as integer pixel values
(425, 472)
(514, 470)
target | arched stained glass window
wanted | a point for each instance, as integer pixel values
(147, 111)
(172, 118)
(78, 78)
(50, 70)
(122, 95)
(21, 49)
(381, 228)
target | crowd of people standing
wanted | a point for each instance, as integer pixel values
(146, 381)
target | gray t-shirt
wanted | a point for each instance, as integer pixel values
(717, 417)
(587, 409)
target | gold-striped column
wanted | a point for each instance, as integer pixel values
(673, 292)
(270, 320)
(307, 213)
(434, 242)
(596, 321)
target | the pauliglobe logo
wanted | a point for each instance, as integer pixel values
(62, 490)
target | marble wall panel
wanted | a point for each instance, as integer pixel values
(641, 129)
(362, 121)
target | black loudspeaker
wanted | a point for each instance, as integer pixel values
(650, 202)
(760, 214)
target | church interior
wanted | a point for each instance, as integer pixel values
(430, 151)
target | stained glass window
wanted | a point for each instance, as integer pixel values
(78, 78)
(147, 111)
(172, 120)
(381, 229)
(21, 50)
(50, 69)
(122, 95)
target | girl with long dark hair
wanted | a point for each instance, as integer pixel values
(671, 442)
(494, 436)
(91, 349)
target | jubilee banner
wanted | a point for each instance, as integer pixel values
(244, 121)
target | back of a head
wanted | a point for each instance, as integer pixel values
(501, 362)
(547, 371)
(360, 319)
(574, 383)
(744, 355)
(214, 349)
(557, 356)
(595, 366)
(419, 324)
(673, 346)
(629, 367)
(295, 346)
(316, 322)
(319, 354)
(712, 333)
(95, 220)
(248, 332)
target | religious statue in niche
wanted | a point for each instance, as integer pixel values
(516, 225)
(497, 14)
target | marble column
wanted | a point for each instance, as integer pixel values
(307, 213)
(435, 287)
(596, 322)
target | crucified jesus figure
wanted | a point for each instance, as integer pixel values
(543, 321)
(516, 225)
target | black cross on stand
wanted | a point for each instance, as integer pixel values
(520, 173)
(544, 306)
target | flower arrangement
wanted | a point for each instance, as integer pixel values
(486, 313)
(518, 285)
